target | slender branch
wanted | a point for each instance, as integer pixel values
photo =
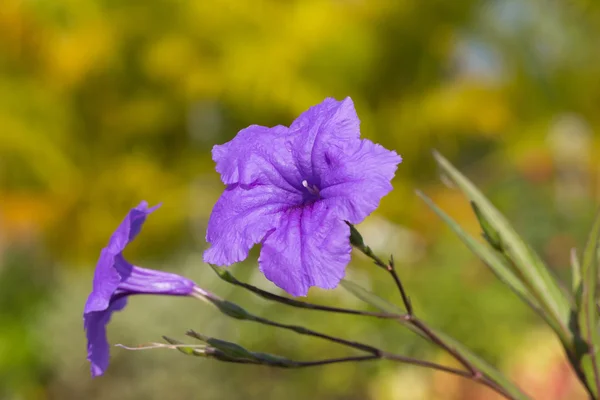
(391, 269)
(304, 364)
(473, 372)
(378, 353)
(228, 277)
(426, 364)
(410, 318)
(422, 326)
(291, 364)
(305, 331)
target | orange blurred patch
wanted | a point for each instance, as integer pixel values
(535, 165)
(24, 216)
(541, 369)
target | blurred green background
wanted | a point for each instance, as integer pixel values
(104, 103)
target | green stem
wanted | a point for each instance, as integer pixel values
(422, 327)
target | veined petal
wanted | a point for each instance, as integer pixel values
(95, 326)
(258, 154)
(309, 247)
(106, 281)
(337, 118)
(242, 217)
(115, 279)
(112, 268)
(358, 182)
(130, 227)
(329, 126)
(151, 281)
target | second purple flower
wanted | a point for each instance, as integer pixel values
(291, 189)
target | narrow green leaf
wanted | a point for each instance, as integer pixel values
(491, 235)
(383, 305)
(494, 260)
(371, 298)
(535, 274)
(587, 314)
(576, 279)
(484, 366)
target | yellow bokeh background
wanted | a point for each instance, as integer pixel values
(105, 103)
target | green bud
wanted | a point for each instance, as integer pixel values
(230, 349)
(491, 235)
(230, 309)
(223, 274)
(190, 351)
(356, 238)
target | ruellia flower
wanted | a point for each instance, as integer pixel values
(115, 279)
(291, 189)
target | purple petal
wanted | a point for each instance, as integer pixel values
(258, 154)
(130, 227)
(95, 327)
(310, 247)
(114, 279)
(107, 278)
(151, 281)
(336, 118)
(329, 127)
(357, 183)
(111, 268)
(242, 217)
(139, 281)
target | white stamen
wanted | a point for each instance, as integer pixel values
(311, 189)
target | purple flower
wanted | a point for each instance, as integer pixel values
(291, 189)
(115, 279)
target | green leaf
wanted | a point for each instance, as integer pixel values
(587, 314)
(483, 366)
(383, 305)
(534, 274)
(576, 278)
(489, 233)
(494, 260)
(371, 298)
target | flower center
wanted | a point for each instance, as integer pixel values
(312, 189)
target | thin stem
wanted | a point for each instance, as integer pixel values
(378, 353)
(291, 364)
(426, 364)
(422, 326)
(304, 364)
(473, 373)
(391, 269)
(300, 304)
(410, 318)
(305, 331)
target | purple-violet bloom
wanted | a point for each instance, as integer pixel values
(115, 279)
(291, 189)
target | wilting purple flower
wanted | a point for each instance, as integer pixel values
(291, 189)
(115, 279)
